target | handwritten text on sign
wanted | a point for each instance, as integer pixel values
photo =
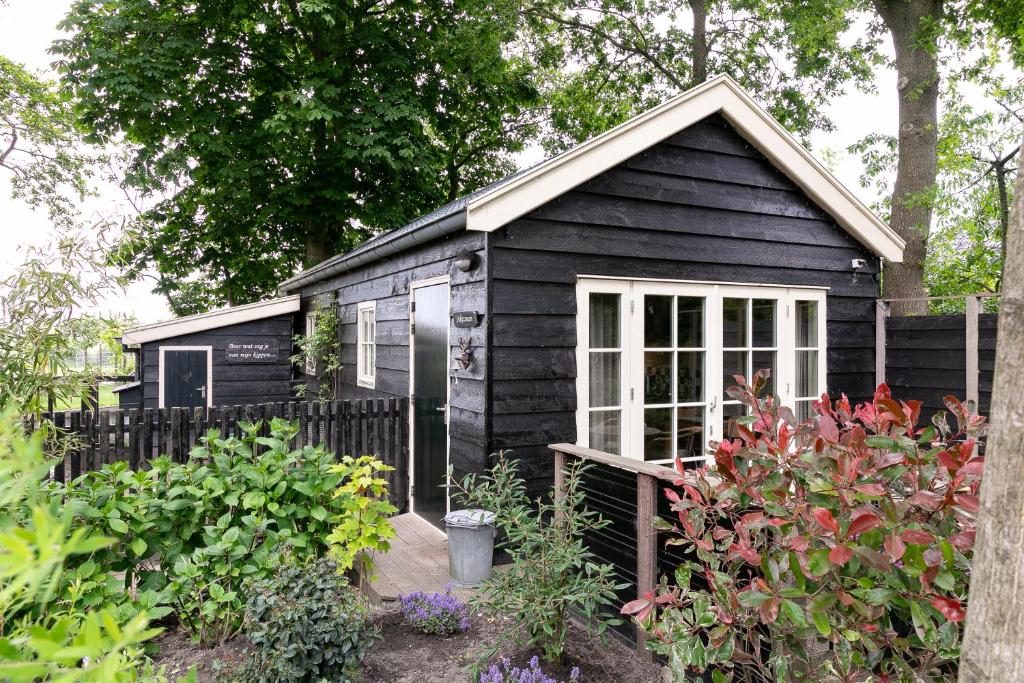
(251, 351)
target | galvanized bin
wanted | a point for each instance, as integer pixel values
(470, 545)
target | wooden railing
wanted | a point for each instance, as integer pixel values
(376, 427)
(644, 544)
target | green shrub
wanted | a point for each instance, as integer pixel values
(45, 634)
(192, 534)
(552, 574)
(306, 624)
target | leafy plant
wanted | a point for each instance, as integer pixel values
(552, 574)
(515, 674)
(362, 523)
(439, 614)
(192, 534)
(45, 634)
(318, 352)
(838, 547)
(306, 624)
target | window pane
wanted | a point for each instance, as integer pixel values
(807, 374)
(733, 363)
(658, 321)
(806, 323)
(658, 433)
(730, 412)
(763, 314)
(690, 432)
(803, 410)
(605, 431)
(734, 322)
(690, 387)
(604, 321)
(604, 379)
(690, 330)
(658, 377)
(765, 360)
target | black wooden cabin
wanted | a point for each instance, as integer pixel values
(235, 356)
(606, 296)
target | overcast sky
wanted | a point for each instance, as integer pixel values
(27, 27)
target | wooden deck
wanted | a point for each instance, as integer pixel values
(417, 561)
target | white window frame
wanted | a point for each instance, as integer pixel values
(632, 292)
(209, 372)
(366, 348)
(310, 329)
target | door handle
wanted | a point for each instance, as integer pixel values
(443, 409)
(202, 391)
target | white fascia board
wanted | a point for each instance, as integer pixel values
(721, 94)
(212, 320)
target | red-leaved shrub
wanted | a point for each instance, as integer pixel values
(823, 550)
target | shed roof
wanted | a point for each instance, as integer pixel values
(200, 322)
(501, 202)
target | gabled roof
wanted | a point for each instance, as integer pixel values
(499, 203)
(208, 321)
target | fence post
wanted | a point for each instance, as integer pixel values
(646, 548)
(971, 349)
(881, 313)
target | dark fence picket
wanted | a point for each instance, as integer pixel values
(376, 427)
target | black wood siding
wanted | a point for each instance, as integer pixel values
(387, 282)
(702, 205)
(925, 359)
(233, 383)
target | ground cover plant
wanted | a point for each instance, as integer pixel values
(440, 614)
(191, 534)
(830, 549)
(552, 575)
(306, 623)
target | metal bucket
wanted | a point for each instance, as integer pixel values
(470, 545)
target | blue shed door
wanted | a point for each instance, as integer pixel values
(429, 388)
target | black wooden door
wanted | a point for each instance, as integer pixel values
(185, 379)
(430, 401)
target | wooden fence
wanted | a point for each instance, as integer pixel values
(373, 427)
(927, 357)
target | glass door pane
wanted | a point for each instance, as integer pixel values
(604, 421)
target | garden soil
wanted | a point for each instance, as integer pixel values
(402, 655)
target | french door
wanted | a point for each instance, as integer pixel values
(654, 359)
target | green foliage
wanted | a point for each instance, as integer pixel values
(40, 144)
(192, 534)
(45, 633)
(277, 134)
(364, 523)
(552, 575)
(306, 624)
(851, 532)
(318, 352)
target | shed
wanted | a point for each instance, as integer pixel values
(233, 356)
(606, 296)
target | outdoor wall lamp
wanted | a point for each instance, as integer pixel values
(466, 262)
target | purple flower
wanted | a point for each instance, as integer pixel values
(435, 613)
(507, 673)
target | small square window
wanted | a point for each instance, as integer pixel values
(366, 344)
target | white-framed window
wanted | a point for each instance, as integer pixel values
(366, 344)
(655, 358)
(310, 331)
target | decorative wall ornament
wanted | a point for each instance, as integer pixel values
(465, 357)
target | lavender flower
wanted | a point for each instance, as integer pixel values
(440, 614)
(507, 673)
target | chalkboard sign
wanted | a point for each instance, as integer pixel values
(466, 318)
(251, 351)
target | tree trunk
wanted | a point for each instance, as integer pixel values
(995, 614)
(317, 251)
(699, 58)
(918, 84)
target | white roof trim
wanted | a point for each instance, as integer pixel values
(214, 319)
(721, 94)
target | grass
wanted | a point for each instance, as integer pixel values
(107, 399)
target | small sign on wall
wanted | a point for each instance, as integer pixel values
(251, 351)
(466, 318)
